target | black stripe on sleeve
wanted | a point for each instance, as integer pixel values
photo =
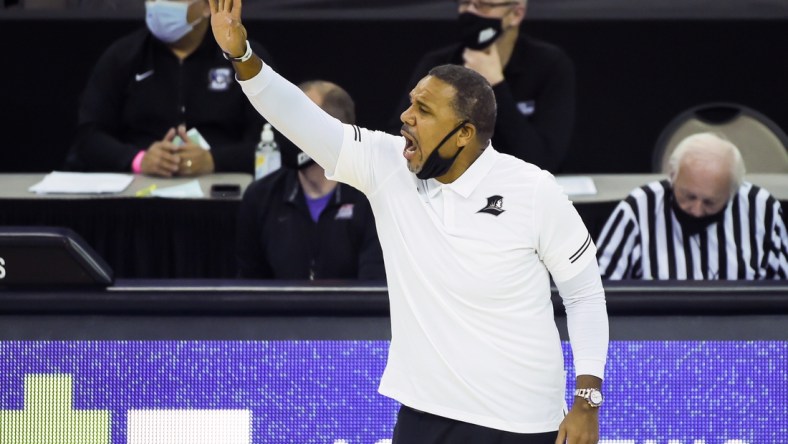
(356, 133)
(668, 215)
(704, 254)
(618, 214)
(782, 252)
(722, 251)
(767, 238)
(752, 198)
(737, 239)
(635, 271)
(611, 267)
(652, 231)
(688, 254)
(612, 227)
(580, 251)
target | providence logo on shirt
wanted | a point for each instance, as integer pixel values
(494, 206)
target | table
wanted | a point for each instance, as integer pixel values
(195, 238)
(139, 237)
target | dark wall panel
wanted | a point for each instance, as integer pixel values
(633, 76)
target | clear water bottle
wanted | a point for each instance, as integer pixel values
(267, 157)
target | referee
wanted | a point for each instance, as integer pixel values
(470, 239)
(704, 223)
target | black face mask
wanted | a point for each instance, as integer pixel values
(435, 165)
(478, 32)
(692, 225)
(292, 156)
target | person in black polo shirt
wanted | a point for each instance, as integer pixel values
(152, 86)
(533, 81)
(296, 224)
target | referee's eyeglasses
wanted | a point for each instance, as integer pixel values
(482, 6)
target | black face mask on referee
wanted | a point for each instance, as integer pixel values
(692, 225)
(435, 165)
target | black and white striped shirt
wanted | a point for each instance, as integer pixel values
(642, 239)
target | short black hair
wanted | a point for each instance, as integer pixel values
(474, 99)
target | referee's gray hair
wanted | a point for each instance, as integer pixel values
(709, 143)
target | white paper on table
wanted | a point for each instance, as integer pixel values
(82, 183)
(186, 190)
(577, 185)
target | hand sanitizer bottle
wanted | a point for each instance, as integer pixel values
(267, 157)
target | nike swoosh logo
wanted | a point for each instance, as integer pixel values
(143, 76)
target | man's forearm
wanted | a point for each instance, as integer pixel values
(248, 69)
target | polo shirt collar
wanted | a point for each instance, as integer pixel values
(292, 186)
(292, 190)
(473, 176)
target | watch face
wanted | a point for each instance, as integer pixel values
(595, 397)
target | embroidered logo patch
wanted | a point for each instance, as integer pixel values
(345, 212)
(494, 206)
(526, 108)
(219, 79)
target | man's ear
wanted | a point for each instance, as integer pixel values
(467, 134)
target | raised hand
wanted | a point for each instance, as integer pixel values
(228, 30)
(486, 62)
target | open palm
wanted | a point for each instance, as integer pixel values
(228, 30)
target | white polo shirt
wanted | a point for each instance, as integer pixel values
(473, 332)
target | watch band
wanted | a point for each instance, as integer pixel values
(247, 55)
(592, 395)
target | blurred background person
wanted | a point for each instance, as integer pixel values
(533, 81)
(296, 224)
(703, 223)
(151, 87)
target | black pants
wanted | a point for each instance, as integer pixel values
(415, 427)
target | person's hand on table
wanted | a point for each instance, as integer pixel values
(194, 160)
(161, 158)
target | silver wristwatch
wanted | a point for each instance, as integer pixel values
(591, 395)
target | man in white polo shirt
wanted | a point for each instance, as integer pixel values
(470, 239)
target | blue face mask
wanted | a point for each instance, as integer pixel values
(167, 19)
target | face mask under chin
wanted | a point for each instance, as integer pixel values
(435, 165)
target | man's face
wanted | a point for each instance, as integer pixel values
(485, 8)
(702, 186)
(428, 119)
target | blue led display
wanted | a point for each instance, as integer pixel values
(657, 392)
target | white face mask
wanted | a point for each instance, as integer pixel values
(167, 19)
